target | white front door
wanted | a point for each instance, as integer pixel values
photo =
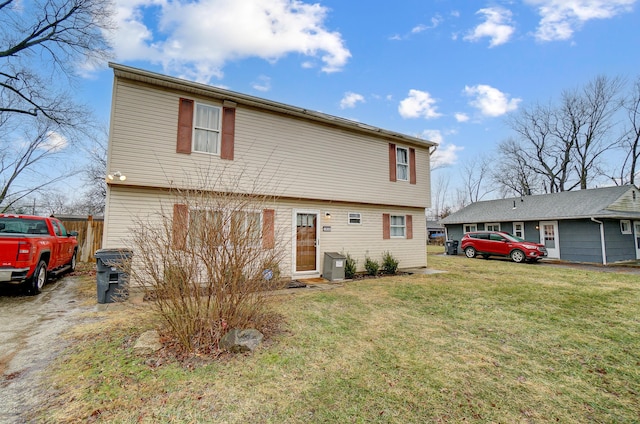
(636, 236)
(549, 237)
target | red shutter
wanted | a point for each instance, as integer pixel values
(412, 166)
(409, 222)
(386, 226)
(392, 162)
(228, 132)
(268, 228)
(185, 126)
(179, 226)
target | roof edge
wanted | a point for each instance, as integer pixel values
(137, 74)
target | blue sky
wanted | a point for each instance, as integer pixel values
(446, 70)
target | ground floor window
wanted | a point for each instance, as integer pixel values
(469, 228)
(625, 226)
(355, 218)
(398, 226)
(213, 227)
(518, 229)
(493, 226)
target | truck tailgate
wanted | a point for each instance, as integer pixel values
(9, 250)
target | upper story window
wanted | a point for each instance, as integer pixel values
(402, 163)
(206, 129)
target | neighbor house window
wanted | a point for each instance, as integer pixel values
(518, 229)
(355, 218)
(469, 228)
(402, 163)
(206, 129)
(625, 226)
(398, 226)
(492, 227)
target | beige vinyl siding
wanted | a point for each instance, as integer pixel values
(125, 205)
(282, 155)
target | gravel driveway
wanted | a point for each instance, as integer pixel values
(30, 338)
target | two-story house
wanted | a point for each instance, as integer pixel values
(337, 185)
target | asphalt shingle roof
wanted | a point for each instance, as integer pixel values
(566, 205)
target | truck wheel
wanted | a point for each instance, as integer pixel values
(36, 283)
(74, 259)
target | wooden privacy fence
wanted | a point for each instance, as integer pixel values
(89, 234)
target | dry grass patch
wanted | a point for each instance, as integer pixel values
(489, 341)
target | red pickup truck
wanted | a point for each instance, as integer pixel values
(34, 248)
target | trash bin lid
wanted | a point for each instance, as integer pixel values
(335, 255)
(113, 253)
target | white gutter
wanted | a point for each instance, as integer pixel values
(604, 248)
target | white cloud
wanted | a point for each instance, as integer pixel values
(350, 100)
(491, 101)
(435, 22)
(418, 104)
(445, 155)
(54, 142)
(560, 18)
(497, 26)
(262, 84)
(196, 39)
(461, 117)
(432, 135)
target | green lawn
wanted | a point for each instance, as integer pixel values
(488, 341)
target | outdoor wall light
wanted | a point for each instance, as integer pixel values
(116, 176)
(327, 215)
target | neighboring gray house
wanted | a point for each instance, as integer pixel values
(600, 225)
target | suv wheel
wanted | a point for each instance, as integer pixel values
(518, 256)
(470, 252)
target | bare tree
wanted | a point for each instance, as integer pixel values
(474, 173)
(23, 161)
(439, 195)
(586, 121)
(630, 140)
(42, 44)
(93, 198)
(514, 174)
(537, 148)
(562, 146)
(42, 41)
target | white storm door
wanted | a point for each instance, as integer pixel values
(549, 237)
(636, 237)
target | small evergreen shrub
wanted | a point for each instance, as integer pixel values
(372, 266)
(350, 266)
(389, 263)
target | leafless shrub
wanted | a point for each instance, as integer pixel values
(206, 261)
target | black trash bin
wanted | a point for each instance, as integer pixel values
(452, 247)
(112, 274)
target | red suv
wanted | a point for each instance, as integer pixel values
(498, 243)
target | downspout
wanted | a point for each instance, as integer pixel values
(604, 248)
